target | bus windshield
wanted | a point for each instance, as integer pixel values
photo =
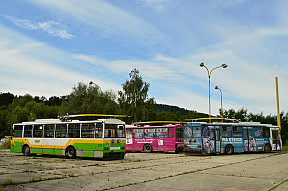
(192, 132)
(114, 131)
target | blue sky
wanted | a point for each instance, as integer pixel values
(48, 46)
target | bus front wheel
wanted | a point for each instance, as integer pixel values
(267, 148)
(229, 150)
(70, 152)
(26, 150)
(147, 148)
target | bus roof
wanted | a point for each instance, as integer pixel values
(157, 122)
(241, 124)
(58, 121)
(153, 126)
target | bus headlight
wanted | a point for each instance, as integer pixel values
(118, 140)
(113, 140)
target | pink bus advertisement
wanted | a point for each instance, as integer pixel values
(154, 138)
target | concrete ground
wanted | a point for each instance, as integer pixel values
(146, 171)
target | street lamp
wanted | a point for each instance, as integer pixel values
(209, 76)
(90, 83)
(217, 88)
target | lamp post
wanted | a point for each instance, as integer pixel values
(209, 76)
(217, 88)
(90, 83)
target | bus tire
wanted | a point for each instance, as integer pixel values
(147, 148)
(70, 152)
(229, 150)
(26, 150)
(267, 148)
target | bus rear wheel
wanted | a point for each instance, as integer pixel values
(229, 150)
(26, 150)
(267, 148)
(147, 148)
(70, 152)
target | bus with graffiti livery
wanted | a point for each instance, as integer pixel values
(229, 138)
(101, 138)
(148, 137)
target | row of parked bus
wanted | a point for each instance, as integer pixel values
(104, 138)
(205, 138)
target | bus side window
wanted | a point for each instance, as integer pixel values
(87, 130)
(226, 132)
(138, 133)
(38, 131)
(99, 129)
(237, 131)
(266, 132)
(61, 130)
(120, 131)
(257, 132)
(28, 131)
(49, 131)
(161, 132)
(149, 133)
(74, 130)
(129, 134)
(18, 131)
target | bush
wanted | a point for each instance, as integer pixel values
(5, 143)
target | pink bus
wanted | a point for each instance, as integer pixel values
(154, 138)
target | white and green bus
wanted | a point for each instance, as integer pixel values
(101, 138)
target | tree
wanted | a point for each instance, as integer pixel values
(6, 99)
(133, 100)
(89, 99)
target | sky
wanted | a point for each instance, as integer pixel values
(48, 46)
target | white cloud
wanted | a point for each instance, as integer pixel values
(158, 5)
(105, 19)
(51, 27)
(152, 70)
(28, 66)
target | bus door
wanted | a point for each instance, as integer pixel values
(276, 140)
(211, 139)
(249, 144)
(215, 137)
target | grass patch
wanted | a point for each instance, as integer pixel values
(8, 182)
(97, 164)
(35, 179)
(285, 147)
(27, 170)
(52, 161)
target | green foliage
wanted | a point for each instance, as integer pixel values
(24, 108)
(89, 99)
(27, 109)
(6, 144)
(6, 99)
(4, 130)
(133, 100)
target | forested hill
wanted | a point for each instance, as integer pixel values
(174, 109)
